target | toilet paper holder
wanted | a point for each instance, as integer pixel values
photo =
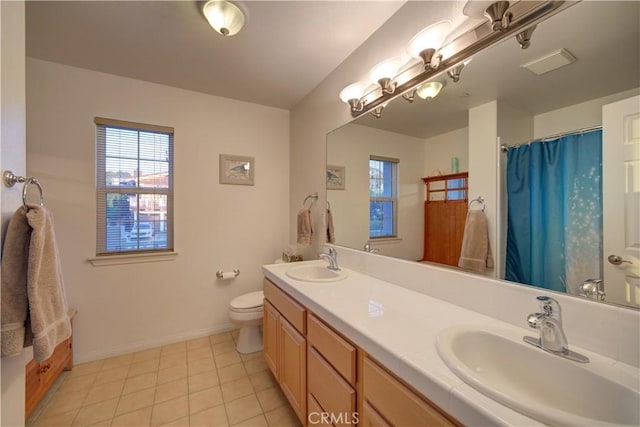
(227, 275)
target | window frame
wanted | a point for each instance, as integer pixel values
(395, 180)
(102, 189)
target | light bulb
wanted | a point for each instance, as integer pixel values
(386, 69)
(431, 37)
(353, 91)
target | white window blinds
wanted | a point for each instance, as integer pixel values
(134, 171)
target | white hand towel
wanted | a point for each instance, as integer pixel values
(48, 310)
(305, 229)
(14, 304)
(476, 253)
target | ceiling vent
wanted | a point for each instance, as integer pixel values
(550, 62)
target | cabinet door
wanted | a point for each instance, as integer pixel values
(270, 337)
(371, 418)
(293, 362)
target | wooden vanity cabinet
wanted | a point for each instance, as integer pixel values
(323, 374)
(387, 401)
(285, 349)
(331, 371)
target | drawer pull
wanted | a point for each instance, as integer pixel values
(45, 368)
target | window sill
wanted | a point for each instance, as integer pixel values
(105, 260)
(384, 240)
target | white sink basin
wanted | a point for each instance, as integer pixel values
(544, 386)
(316, 273)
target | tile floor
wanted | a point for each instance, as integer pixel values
(201, 382)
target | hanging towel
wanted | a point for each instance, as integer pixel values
(331, 235)
(14, 303)
(48, 310)
(305, 230)
(476, 253)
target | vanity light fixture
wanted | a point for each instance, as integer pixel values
(384, 72)
(353, 95)
(429, 90)
(498, 15)
(426, 43)
(391, 79)
(225, 17)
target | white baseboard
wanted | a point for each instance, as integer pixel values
(146, 345)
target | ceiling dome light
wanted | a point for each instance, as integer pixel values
(225, 17)
(429, 90)
(428, 41)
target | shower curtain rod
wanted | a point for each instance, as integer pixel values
(505, 147)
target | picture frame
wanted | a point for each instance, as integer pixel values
(237, 170)
(335, 177)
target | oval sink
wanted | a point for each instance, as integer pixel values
(541, 385)
(316, 273)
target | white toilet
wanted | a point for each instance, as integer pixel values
(246, 312)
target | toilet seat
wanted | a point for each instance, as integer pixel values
(253, 301)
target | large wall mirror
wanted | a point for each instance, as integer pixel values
(430, 138)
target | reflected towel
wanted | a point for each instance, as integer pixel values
(14, 303)
(331, 235)
(476, 252)
(305, 230)
(48, 310)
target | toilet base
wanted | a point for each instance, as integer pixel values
(249, 339)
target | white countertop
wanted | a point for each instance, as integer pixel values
(398, 327)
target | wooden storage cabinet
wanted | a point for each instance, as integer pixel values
(39, 376)
(389, 402)
(285, 349)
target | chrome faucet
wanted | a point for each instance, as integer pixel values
(592, 289)
(552, 338)
(332, 257)
(371, 249)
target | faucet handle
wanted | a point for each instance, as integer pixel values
(550, 307)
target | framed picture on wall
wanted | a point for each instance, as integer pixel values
(239, 170)
(335, 177)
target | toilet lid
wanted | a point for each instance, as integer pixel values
(250, 300)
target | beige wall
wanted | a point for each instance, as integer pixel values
(439, 149)
(128, 307)
(12, 156)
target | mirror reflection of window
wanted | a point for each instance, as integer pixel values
(383, 197)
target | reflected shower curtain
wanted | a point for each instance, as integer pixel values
(554, 231)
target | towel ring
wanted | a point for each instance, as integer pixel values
(479, 200)
(313, 197)
(29, 181)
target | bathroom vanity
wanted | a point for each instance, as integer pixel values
(365, 351)
(330, 380)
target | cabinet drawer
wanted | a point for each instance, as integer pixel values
(371, 418)
(331, 391)
(336, 350)
(397, 403)
(291, 310)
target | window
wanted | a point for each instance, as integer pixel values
(383, 197)
(134, 165)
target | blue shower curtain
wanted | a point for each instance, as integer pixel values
(554, 231)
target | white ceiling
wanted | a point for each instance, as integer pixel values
(284, 51)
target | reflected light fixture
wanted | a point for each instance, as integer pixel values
(454, 73)
(429, 90)
(426, 43)
(225, 17)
